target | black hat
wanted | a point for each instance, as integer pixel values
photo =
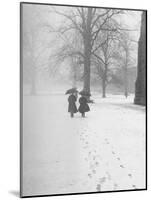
(85, 93)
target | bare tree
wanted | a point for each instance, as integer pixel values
(125, 57)
(69, 51)
(88, 22)
(106, 45)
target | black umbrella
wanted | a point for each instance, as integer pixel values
(72, 90)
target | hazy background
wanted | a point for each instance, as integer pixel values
(45, 40)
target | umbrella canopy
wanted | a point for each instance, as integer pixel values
(72, 90)
(84, 93)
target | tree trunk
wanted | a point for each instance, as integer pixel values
(104, 78)
(140, 85)
(125, 85)
(103, 88)
(87, 64)
(87, 52)
(74, 73)
(125, 77)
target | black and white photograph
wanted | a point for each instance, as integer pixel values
(83, 92)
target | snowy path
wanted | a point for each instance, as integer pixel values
(103, 152)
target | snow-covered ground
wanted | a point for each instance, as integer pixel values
(103, 152)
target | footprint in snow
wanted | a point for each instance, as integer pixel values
(115, 186)
(113, 152)
(90, 175)
(94, 157)
(130, 175)
(121, 166)
(134, 186)
(118, 158)
(98, 187)
(94, 171)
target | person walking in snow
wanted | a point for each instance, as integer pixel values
(72, 108)
(84, 107)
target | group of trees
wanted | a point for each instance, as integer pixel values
(90, 39)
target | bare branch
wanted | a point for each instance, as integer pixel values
(100, 45)
(71, 19)
(98, 57)
(98, 17)
(81, 12)
(95, 33)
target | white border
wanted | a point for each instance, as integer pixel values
(9, 97)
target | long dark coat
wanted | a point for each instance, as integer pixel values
(84, 107)
(72, 106)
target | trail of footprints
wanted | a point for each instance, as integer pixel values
(121, 165)
(94, 161)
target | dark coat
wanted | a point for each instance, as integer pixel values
(84, 107)
(72, 106)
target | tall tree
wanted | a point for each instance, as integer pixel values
(103, 52)
(88, 22)
(125, 57)
(140, 86)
